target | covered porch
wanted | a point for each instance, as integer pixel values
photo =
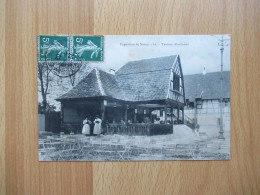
(120, 117)
(142, 118)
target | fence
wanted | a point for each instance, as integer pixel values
(138, 129)
(127, 129)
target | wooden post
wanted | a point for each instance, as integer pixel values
(150, 114)
(126, 114)
(183, 115)
(103, 110)
(171, 115)
(135, 109)
(178, 114)
(62, 112)
(165, 114)
(103, 117)
(61, 117)
(195, 114)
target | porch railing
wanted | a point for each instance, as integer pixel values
(189, 122)
(129, 129)
(138, 129)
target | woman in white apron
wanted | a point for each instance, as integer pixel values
(97, 127)
(86, 127)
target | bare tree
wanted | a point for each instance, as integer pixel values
(54, 76)
(75, 78)
(72, 80)
(44, 78)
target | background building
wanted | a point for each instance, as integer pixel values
(203, 95)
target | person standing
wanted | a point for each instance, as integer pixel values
(97, 126)
(86, 127)
(157, 121)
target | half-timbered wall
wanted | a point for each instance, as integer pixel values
(209, 107)
(208, 114)
(176, 89)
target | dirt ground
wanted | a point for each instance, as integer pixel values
(183, 144)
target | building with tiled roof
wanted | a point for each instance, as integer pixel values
(138, 93)
(207, 100)
(207, 86)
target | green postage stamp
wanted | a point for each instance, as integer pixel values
(88, 48)
(70, 48)
(54, 48)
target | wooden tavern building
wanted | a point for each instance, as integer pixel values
(142, 97)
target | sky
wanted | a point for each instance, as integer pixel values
(196, 51)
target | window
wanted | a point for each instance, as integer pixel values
(176, 82)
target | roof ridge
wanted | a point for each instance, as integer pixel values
(206, 73)
(100, 86)
(144, 59)
(143, 72)
(147, 65)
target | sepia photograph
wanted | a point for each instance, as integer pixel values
(134, 97)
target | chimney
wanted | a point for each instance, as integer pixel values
(112, 71)
(204, 71)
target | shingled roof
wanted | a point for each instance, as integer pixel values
(147, 65)
(146, 79)
(141, 80)
(208, 86)
(97, 83)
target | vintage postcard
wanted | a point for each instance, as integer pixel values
(133, 97)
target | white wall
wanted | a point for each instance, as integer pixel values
(208, 116)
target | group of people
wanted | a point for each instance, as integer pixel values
(97, 126)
